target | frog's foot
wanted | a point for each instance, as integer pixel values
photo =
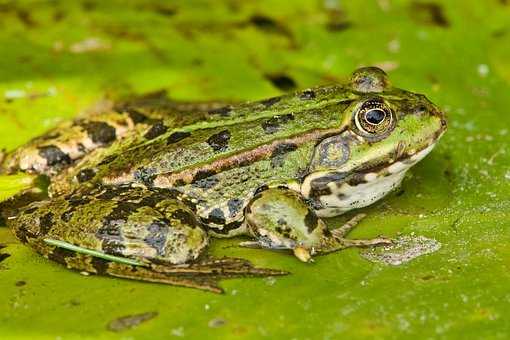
(280, 219)
(203, 275)
(337, 240)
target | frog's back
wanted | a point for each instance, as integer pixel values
(236, 137)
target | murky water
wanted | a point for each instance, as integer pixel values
(405, 249)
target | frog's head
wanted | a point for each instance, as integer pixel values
(385, 131)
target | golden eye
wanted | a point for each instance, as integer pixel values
(373, 118)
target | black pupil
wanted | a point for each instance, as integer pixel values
(375, 116)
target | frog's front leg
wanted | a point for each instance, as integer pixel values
(279, 218)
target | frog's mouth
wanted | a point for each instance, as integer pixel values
(399, 165)
(402, 159)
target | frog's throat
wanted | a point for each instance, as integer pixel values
(338, 197)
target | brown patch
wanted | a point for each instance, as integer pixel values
(130, 321)
(429, 13)
(20, 283)
(156, 130)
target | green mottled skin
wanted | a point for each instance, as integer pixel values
(138, 187)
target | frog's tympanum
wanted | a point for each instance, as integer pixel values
(137, 190)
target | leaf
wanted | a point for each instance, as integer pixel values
(59, 58)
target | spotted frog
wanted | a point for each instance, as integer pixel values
(139, 188)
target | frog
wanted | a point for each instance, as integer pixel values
(140, 188)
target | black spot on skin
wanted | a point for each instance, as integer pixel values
(429, 13)
(60, 255)
(145, 175)
(323, 181)
(281, 222)
(273, 124)
(100, 265)
(307, 95)
(219, 141)
(322, 191)
(100, 132)
(202, 174)
(3, 256)
(227, 228)
(85, 175)
(311, 221)
(76, 201)
(216, 216)
(153, 199)
(45, 224)
(54, 156)
(136, 116)
(319, 186)
(222, 111)
(260, 189)
(156, 238)
(234, 206)
(23, 234)
(205, 183)
(356, 179)
(20, 283)
(282, 81)
(112, 192)
(186, 217)
(81, 148)
(278, 155)
(177, 137)
(66, 216)
(156, 130)
(270, 102)
(111, 230)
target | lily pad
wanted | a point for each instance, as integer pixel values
(60, 58)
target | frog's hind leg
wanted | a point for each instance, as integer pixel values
(204, 274)
(127, 232)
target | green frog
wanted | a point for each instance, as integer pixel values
(139, 188)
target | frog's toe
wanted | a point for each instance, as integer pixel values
(303, 254)
(378, 241)
(251, 244)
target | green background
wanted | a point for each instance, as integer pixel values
(59, 57)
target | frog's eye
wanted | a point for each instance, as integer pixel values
(373, 118)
